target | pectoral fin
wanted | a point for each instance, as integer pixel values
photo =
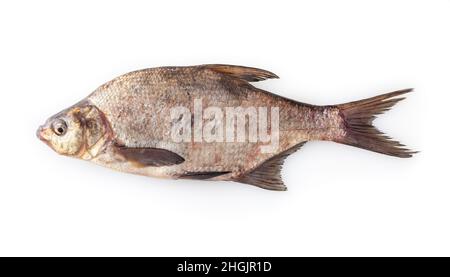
(268, 174)
(149, 156)
(249, 74)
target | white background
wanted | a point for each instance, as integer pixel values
(342, 201)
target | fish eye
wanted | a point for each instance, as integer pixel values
(59, 127)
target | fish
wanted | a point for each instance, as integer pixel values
(209, 122)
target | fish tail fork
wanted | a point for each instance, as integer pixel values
(357, 119)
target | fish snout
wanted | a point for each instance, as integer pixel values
(41, 133)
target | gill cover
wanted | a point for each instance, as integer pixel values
(94, 128)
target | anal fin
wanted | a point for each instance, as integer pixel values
(202, 175)
(268, 174)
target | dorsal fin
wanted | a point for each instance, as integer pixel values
(249, 74)
(268, 174)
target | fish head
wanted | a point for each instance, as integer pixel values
(73, 131)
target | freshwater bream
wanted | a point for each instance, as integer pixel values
(208, 122)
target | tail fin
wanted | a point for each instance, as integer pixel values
(360, 132)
